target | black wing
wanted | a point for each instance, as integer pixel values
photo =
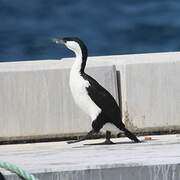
(103, 99)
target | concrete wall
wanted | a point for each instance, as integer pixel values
(35, 99)
(35, 96)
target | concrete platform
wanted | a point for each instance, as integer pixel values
(156, 159)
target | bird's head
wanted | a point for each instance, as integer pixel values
(74, 44)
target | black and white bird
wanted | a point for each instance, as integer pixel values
(91, 97)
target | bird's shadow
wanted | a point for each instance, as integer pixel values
(116, 143)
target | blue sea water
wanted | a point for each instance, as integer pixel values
(106, 27)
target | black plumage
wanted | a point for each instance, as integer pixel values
(111, 112)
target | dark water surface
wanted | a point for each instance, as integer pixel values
(107, 27)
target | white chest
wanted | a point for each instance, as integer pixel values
(78, 88)
(110, 127)
(79, 92)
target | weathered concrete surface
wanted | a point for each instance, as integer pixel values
(156, 159)
(35, 99)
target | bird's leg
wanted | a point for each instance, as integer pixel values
(130, 135)
(108, 136)
(106, 142)
(87, 136)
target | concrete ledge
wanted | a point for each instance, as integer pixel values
(36, 99)
(154, 159)
(159, 172)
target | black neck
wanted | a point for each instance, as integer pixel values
(84, 59)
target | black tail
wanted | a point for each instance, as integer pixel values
(130, 135)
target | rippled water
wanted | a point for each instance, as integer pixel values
(107, 27)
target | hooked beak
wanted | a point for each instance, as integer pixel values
(57, 41)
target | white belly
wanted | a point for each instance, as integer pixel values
(79, 92)
(110, 127)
